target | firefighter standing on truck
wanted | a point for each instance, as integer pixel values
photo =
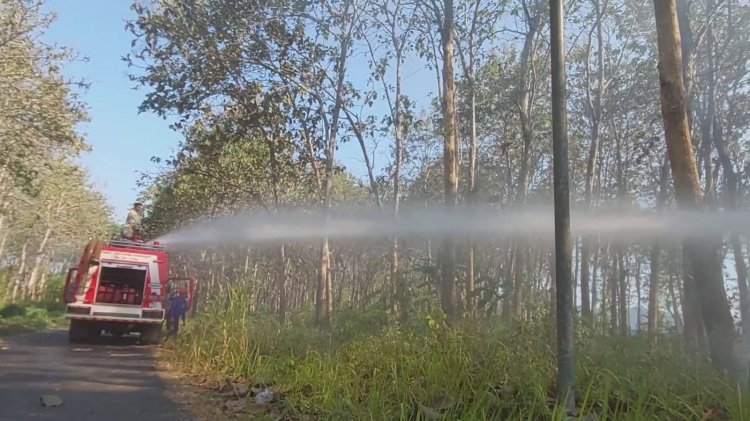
(132, 228)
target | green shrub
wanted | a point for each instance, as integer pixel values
(12, 310)
(22, 318)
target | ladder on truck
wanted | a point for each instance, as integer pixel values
(153, 246)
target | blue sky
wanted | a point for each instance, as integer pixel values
(122, 140)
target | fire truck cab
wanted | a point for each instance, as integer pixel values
(120, 287)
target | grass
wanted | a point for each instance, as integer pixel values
(27, 317)
(364, 367)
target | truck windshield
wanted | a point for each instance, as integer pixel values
(121, 285)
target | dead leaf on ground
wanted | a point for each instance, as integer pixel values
(429, 413)
(264, 397)
(238, 405)
(437, 407)
(240, 389)
(714, 415)
(441, 403)
(223, 385)
(51, 401)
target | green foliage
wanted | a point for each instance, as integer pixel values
(38, 119)
(23, 318)
(12, 310)
(52, 298)
(364, 367)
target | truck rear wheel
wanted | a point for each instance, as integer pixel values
(80, 331)
(151, 334)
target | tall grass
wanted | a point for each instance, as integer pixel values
(364, 367)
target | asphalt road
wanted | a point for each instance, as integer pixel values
(112, 379)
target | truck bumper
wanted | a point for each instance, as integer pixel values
(114, 314)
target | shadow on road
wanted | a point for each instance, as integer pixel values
(110, 378)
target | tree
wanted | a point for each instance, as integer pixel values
(394, 24)
(524, 102)
(703, 255)
(594, 109)
(563, 267)
(479, 27)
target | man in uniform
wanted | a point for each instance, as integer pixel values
(132, 227)
(176, 310)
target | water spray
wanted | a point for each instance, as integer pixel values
(258, 228)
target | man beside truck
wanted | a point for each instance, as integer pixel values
(176, 310)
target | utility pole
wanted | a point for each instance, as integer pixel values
(563, 253)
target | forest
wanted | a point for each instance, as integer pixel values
(267, 94)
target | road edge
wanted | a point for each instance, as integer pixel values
(196, 400)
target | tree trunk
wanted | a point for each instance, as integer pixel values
(593, 156)
(639, 316)
(324, 300)
(703, 255)
(613, 292)
(281, 284)
(586, 307)
(677, 317)
(653, 296)
(329, 289)
(281, 259)
(525, 104)
(519, 278)
(732, 183)
(3, 237)
(561, 186)
(594, 292)
(471, 301)
(42, 284)
(21, 275)
(322, 312)
(686, 51)
(507, 313)
(741, 268)
(450, 161)
(575, 273)
(398, 301)
(707, 123)
(691, 308)
(623, 294)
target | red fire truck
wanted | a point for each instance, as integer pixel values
(120, 287)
